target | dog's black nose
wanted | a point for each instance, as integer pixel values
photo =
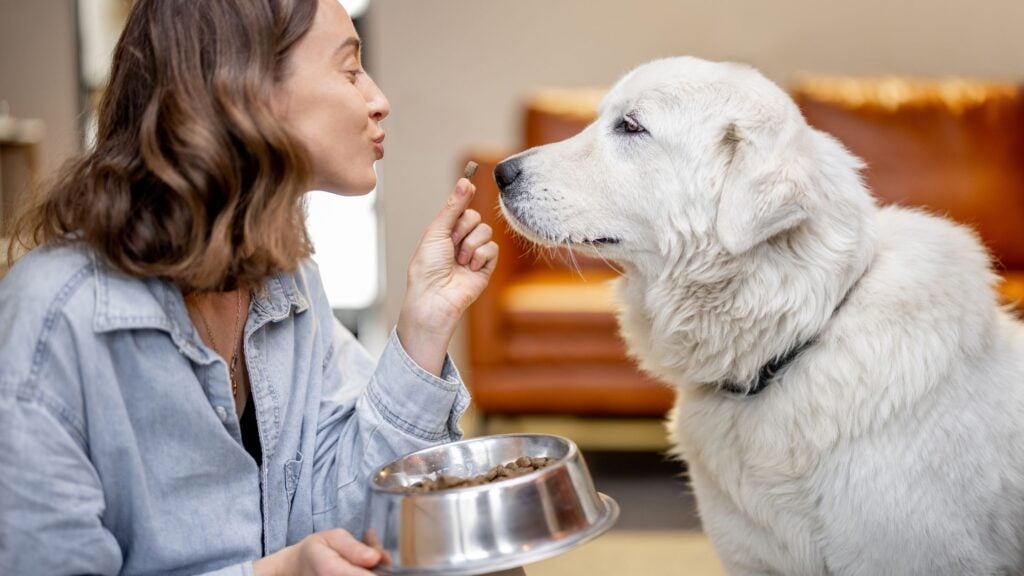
(505, 173)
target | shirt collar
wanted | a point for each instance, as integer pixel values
(279, 295)
(123, 302)
(127, 303)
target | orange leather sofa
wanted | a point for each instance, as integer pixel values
(954, 147)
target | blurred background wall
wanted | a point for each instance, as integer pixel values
(39, 72)
(456, 71)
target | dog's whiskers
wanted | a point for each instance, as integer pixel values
(608, 263)
(572, 260)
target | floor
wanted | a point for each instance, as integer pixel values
(658, 531)
(627, 553)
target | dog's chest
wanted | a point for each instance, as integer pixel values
(758, 458)
(754, 485)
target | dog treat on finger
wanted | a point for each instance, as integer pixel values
(470, 170)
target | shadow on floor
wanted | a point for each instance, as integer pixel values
(652, 490)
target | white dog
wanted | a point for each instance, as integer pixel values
(851, 396)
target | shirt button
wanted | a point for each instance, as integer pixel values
(221, 413)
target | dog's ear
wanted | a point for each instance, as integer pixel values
(764, 191)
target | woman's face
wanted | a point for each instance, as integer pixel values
(329, 102)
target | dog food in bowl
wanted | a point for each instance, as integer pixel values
(519, 467)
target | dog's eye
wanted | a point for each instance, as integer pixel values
(629, 125)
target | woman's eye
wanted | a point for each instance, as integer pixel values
(629, 125)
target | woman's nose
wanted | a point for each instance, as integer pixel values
(377, 103)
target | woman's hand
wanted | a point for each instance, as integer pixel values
(449, 270)
(327, 553)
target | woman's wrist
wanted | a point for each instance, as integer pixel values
(425, 341)
(271, 565)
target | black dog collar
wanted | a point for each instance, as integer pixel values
(766, 375)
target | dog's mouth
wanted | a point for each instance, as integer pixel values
(584, 244)
(521, 224)
(602, 241)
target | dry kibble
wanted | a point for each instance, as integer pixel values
(519, 467)
(470, 170)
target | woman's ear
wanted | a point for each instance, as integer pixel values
(765, 188)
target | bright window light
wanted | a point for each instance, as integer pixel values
(344, 233)
(355, 8)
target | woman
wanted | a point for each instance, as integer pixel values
(175, 395)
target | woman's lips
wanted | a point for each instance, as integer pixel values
(378, 147)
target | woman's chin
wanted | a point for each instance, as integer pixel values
(361, 187)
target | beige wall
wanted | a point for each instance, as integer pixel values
(38, 71)
(455, 70)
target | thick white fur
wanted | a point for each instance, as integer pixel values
(895, 444)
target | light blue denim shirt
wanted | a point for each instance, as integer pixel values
(120, 450)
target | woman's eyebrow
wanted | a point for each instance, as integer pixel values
(350, 41)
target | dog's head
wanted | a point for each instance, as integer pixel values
(683, 151)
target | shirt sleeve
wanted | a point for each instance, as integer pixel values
(372, 413)
(51, 500)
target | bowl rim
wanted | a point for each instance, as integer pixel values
(508, 482)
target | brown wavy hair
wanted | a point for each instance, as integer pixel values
(192, 177)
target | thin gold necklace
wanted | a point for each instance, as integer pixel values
(235, 335)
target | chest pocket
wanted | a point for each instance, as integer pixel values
(292, 472)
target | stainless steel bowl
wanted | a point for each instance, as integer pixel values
(488, 528)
